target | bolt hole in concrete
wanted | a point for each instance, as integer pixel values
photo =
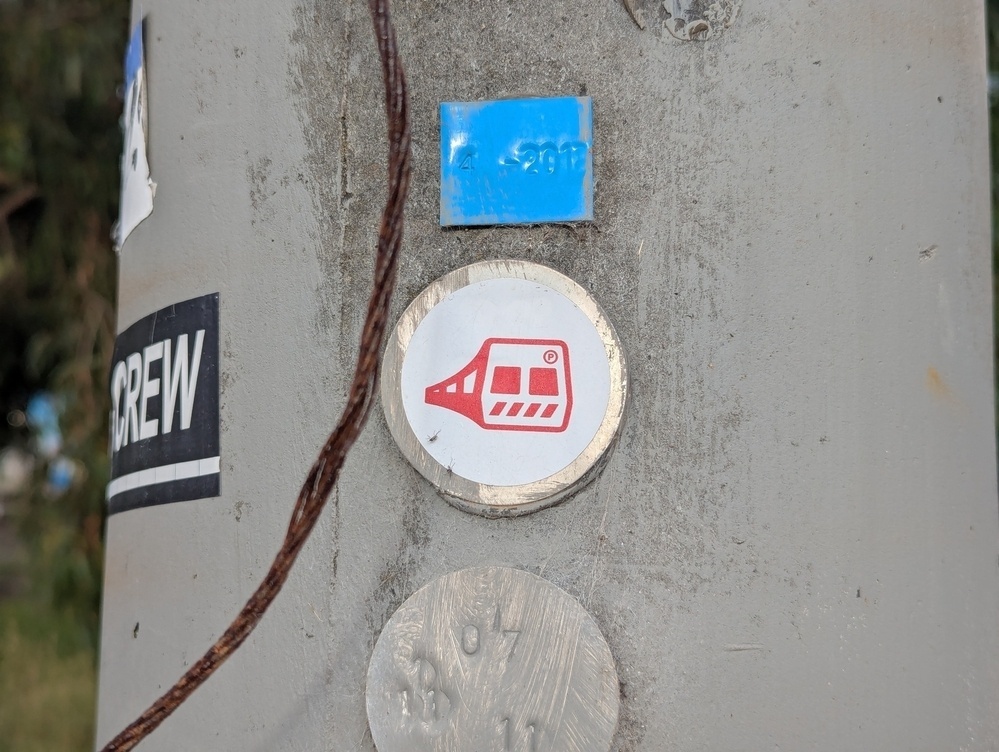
(698, 20)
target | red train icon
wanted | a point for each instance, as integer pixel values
(511, 385)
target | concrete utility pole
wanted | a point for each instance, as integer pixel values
(794, 544)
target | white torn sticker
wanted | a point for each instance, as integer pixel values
(137, 189)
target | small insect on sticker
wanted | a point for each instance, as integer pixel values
(517, 161)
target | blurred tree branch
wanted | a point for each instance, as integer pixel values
(15, 199)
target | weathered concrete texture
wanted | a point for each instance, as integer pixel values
(795, 543)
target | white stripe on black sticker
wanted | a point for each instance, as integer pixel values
(163, 474)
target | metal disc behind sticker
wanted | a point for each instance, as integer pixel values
(488, 659)
(504, 385)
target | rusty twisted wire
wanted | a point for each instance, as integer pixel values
(324, 473)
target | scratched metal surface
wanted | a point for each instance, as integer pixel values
(794, 542)
(491, 658)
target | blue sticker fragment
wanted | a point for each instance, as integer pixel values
(133, 55)
(517, 161)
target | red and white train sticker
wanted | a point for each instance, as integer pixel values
(511, 385)
(503, 375)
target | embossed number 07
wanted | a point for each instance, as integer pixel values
(548, 158)
(471, 636)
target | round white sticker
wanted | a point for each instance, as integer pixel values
(510, 382)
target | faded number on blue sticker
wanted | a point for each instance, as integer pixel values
(517, 161)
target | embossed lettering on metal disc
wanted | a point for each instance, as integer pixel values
(492, 659)
(504, 385)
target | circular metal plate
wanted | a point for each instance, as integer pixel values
(492, 659)
(504, 384)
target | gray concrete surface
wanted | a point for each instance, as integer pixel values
(795, 544)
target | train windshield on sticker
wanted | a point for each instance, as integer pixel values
(511, 385)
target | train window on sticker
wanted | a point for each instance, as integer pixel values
(506, 380)
(544, 382)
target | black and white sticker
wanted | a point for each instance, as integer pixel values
(164, 385)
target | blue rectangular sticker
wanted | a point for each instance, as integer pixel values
(516, 161)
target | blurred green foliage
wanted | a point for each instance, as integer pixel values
(47, 682)
(60, 73)
(60, 69)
